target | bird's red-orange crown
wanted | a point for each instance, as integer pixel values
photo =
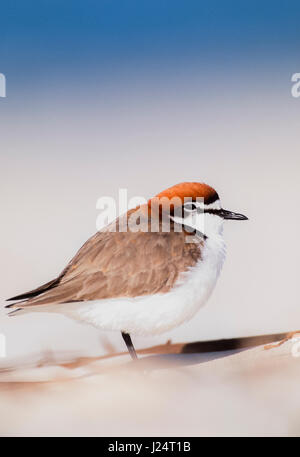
(191, 190)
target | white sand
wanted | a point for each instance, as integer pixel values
(254, 392)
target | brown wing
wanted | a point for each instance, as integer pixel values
(116, 264)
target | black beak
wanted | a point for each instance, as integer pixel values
(230, 215)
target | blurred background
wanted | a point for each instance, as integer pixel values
(104, 95)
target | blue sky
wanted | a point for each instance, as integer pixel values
(107, 35)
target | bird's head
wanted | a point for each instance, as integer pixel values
(195, 206)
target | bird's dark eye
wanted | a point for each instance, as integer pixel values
(190, 207)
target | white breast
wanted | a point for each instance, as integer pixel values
(154, 314)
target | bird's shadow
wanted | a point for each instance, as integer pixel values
(202, 351)
(179, 360)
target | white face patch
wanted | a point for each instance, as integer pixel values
(195, 218)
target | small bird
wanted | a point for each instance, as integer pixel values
(149, 278)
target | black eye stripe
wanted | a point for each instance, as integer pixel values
(193, 207)
(217, 212)
(190, 206)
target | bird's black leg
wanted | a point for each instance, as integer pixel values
(130, 347)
